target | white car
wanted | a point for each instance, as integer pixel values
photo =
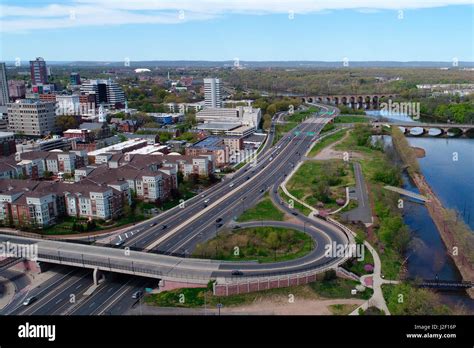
(29, 301)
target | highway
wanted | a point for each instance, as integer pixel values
(178, 231)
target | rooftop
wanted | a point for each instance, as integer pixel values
(218, 126)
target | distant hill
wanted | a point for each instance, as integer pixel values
(261, 64)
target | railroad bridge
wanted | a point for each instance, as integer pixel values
(355, 101)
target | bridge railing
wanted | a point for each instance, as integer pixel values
(132, 267)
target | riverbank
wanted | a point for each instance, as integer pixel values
(456, 235)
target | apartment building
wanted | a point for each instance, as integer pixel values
(40, 204)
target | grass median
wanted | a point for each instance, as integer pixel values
(263, 244)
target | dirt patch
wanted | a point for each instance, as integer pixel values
(329, 153)
(282, 306)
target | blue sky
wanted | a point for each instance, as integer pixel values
(438, 30)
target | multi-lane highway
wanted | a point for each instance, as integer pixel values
(179, 230)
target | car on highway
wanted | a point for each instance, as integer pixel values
(219, 225)
(219, 220)
(29, 300)
(231, 185)
(119, 242)
(236, 272)
(153, 224)
(203, 195)
(137, 294)
(164, 227)
(248, 177)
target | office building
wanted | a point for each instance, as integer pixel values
(75, 79)
(31, 117)
(106, 92)
(4, 95)
(212, 93)
(242, 115)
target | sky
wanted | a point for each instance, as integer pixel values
(248, 30)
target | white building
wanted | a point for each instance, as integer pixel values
(243, 115)
(212, 93)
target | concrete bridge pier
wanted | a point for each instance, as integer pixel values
(98, 276)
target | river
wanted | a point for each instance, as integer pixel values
(453, 182)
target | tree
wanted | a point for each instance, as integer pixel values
(267, 121)
(65, 122)
(323, 192)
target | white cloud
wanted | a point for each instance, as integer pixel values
(78, 13)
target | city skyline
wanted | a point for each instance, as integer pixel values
(287, 31)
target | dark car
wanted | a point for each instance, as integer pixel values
(219, 225)
(248, 177)
(295, 213)
(164, 227)
(237, 273)
(219, 220)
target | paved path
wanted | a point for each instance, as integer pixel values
(376, 281)
(363, 211)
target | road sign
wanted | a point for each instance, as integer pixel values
(148, 289)
(311, 134)
(297, 132)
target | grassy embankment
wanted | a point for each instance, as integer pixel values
(263, 210)
(351, 119)
(322, 182)
(326, 141)
(262, 244)
(197, 298)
